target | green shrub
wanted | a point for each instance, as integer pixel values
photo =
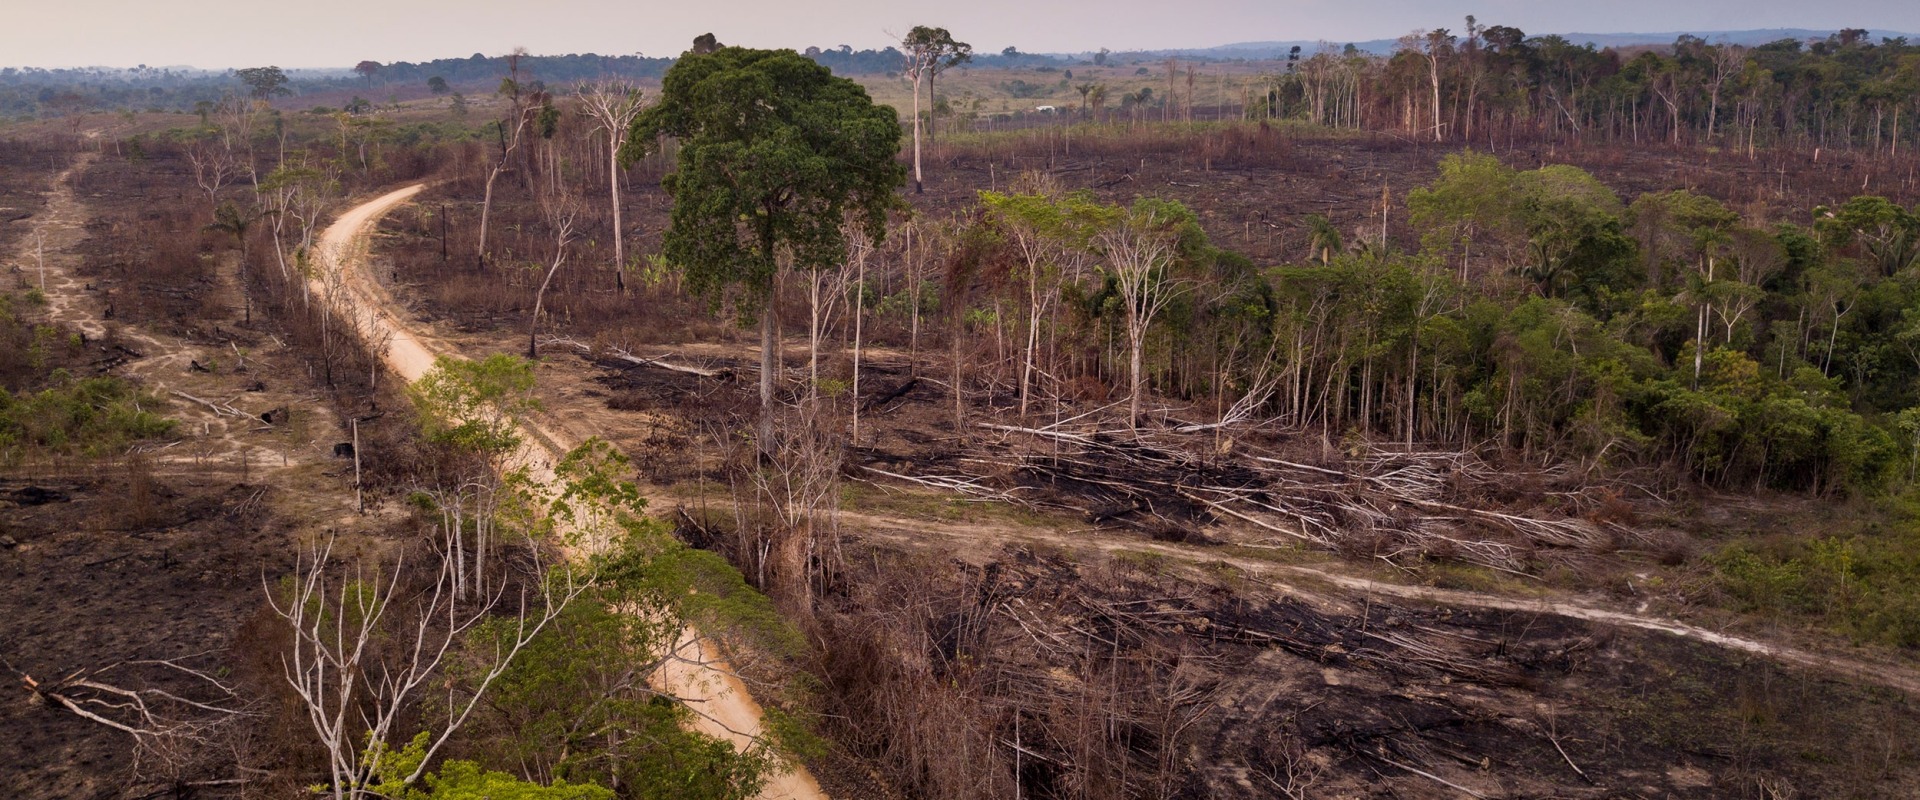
(89, 417)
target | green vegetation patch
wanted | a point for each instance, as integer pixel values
(1863, 580)
(87, 417)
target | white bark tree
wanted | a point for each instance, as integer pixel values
(513, 129)
(928, 51)
(1140, 250)
(612, 105)
(365, 648)
(561, 210)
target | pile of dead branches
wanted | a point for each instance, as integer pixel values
(1395, 506)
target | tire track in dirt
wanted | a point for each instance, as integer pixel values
(723, 707)
(157, 361)
(1288, 578)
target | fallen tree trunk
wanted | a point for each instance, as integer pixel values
(660, 362)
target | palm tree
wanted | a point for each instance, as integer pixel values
(1322, 237)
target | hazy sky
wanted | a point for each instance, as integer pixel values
(224, 33)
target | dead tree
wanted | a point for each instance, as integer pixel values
(213, 168)
(166, 727)
(613, 105)
(561, 210)
(512, 131)
(363, 649)
(794, 485)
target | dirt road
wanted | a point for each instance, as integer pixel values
(1300, 581)
(723, 707)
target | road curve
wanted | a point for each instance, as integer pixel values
(411, 356)
(722, 706)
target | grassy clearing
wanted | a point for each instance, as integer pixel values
(1855, 571)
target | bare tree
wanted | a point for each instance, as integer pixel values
(798, 488)
(238, 117)
(613, 104)
(512, 130)
(213, 168)
(560, 209)
(913, 261)
(826, 291)
(364, 648)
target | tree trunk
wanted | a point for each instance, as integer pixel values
(859, 306)
(769, 362)
(1033, 335)
(619, 233)
(913, 305)
(486, 209)
(1433, 62)
(813, 336)
(1699, 344)
(1136, 343)
(540, 296)
(919, 186)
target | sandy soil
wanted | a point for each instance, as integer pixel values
(723, 706)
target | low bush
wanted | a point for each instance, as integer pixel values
(87, 417)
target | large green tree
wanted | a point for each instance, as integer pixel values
(775, 155)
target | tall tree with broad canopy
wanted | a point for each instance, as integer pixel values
(775, 154)
(263, 83)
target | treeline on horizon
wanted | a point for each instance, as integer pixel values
(1844, 90)
(29, 92)
(1489, 82)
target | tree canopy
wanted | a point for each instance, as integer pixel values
(263, 82)
(775, 154)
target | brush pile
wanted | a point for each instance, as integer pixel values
(1172, 483)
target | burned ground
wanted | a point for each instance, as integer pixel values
(124, 566)
(127, 568)
(1029, 610)
(1250, 185)
(1141, 675)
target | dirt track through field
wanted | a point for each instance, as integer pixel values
(699, 676)
(1283, 577)
(50, 257)
(1304, 582)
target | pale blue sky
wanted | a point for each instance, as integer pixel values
(227, 33)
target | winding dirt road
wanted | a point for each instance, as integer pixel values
(411, 354)
(722, 705)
